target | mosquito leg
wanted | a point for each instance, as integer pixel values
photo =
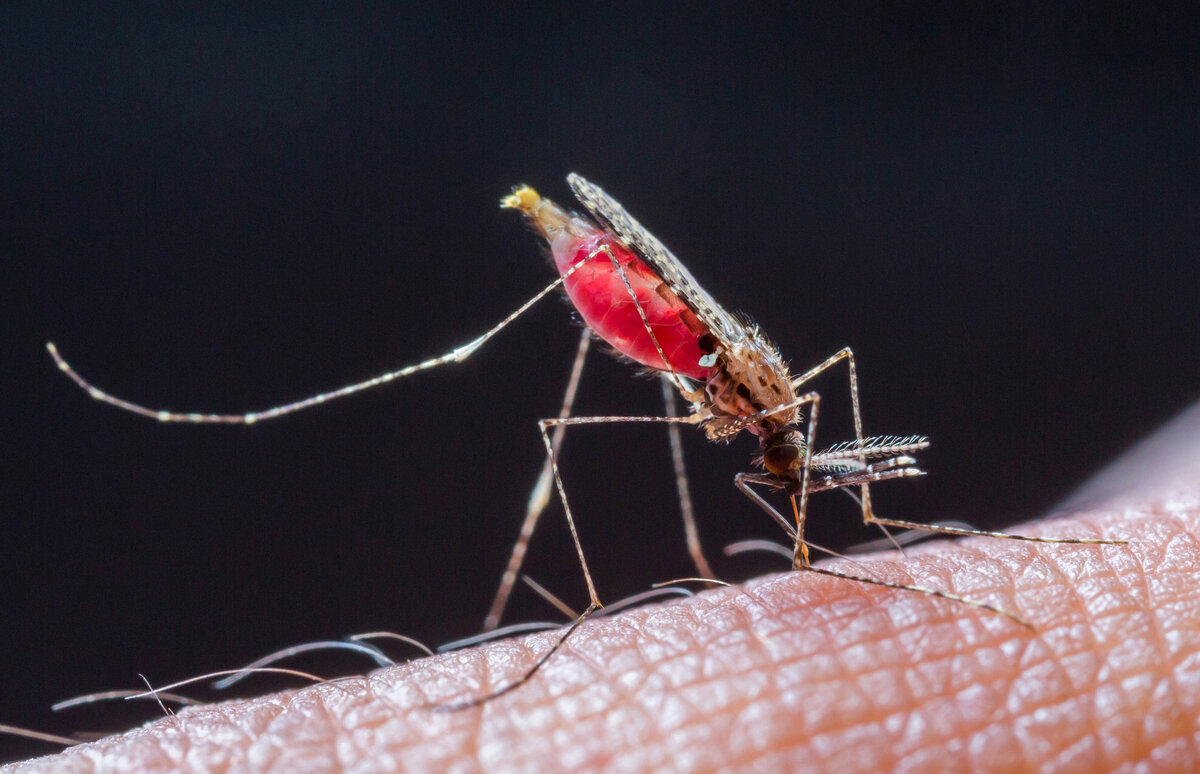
(541, 492)
(948, 530)
(594, 600)
(456, 355)
(515, 684)
(848, 355)
(690, 530)
(800, 555)
(800, 507)
(743, 482)
(923, 590)
(539, 498)
(544, 425)
(876, 472)
(692, 534)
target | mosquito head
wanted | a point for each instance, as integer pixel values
(783, 455)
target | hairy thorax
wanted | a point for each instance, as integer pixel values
(749, 379)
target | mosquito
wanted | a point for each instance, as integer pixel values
(634, 294)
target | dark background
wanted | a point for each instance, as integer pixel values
(229, 209)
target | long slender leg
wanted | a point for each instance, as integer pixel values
(801, 547)
(874, 473)
(544, 426)
(743, 484)
(515, 684)
(594, 603)
(456, 355)
(948, 530)
(869, 516)
(800, 552)
(690, 530)
(848, 355)
(551, 445)
(540, 497)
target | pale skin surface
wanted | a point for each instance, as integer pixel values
(799, 673)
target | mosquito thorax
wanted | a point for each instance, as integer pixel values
(749, 378)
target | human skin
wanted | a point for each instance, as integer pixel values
(795, 672)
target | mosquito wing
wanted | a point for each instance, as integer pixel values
(610, 214)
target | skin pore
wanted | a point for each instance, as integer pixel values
(799, 673)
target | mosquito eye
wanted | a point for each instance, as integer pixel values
(781, 459)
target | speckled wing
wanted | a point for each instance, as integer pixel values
(610, 214)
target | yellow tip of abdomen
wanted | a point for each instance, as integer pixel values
(522, 198)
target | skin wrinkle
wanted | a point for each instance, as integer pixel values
(908, 721)
(346, 746)
(1051, 660)
(1070, 581)
(1146, 577)
(1148, 743)
(706, 648)
(860, 677)
(927, 705)
(957, 589)
(1038, 746)
(821, 630)
(896, 636)
(1160, 640)
(739, 692)
(1122, 611)
(229, 728)
(1046, 662)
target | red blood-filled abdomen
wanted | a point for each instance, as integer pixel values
(604, 302)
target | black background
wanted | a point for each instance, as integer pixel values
(228, 209)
